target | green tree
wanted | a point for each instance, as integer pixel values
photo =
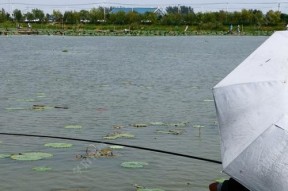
(71, 17)
(273, 18)
(118, 18)
(18, 15)
(57, 16)
(29, 16)
(132, 17)
(38, 15)
(3, 17)
(84, 15)
(96, 15)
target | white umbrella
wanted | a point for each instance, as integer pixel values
(252, 110)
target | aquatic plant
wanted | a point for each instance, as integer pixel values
(40, 107)
(58, 145)
(157, 123)
(41, 168)
(117, 135)
(116, 147)
(134, 164)
(105, 153)
(14, 108)
(31, 156)
(73, 127)
(41, 95)
(2, 156)
(198, 126)
(139, 125)
(149, 189)
(172, 132)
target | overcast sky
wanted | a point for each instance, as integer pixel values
(199, 5)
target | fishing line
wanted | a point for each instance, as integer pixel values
(110, 143)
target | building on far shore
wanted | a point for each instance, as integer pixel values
(140, 10)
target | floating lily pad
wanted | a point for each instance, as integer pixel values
(180, 124)
(172, 132)
(221, 180)
(40, 107)
(73, 126)
(2, 156)
(65, 50)
(208, 100)
(41, 95)
(15, 108)
(31, 156)
(25, 100)
(119, 135)
(139, 125)
(157, 123)
(71, 189)
(58, 145)
(134, 164)
(116, 147)
(198, 126)
(149, 189)
(41, 168)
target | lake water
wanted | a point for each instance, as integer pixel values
(107, 82)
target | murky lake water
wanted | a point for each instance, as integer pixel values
(108, 81)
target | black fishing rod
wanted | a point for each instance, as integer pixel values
(110, 143)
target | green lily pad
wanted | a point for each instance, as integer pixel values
(14, 108)
(41, 107)
(134, 164)
(41, 168)
(171, 132)
(198, 126)
(73, 126)
(149, 189)
(25, 100)
(119, 135)
(2, 156)
(41, 95)
(116, 147)
(208, 100)
(31, 156)
(58, 145)
(157, 123)
(139, 125)
(221, 180)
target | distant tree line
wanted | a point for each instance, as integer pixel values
(174, 16)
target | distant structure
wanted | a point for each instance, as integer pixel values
(139, 10)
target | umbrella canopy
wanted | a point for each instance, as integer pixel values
(252, 110)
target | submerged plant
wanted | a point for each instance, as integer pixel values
(41, 168)
(134, 164)
(58, 145)
(31, 156)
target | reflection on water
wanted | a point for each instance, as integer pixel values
(157, 89)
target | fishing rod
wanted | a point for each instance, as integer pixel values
(110, 143)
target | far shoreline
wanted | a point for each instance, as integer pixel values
(86, 32)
